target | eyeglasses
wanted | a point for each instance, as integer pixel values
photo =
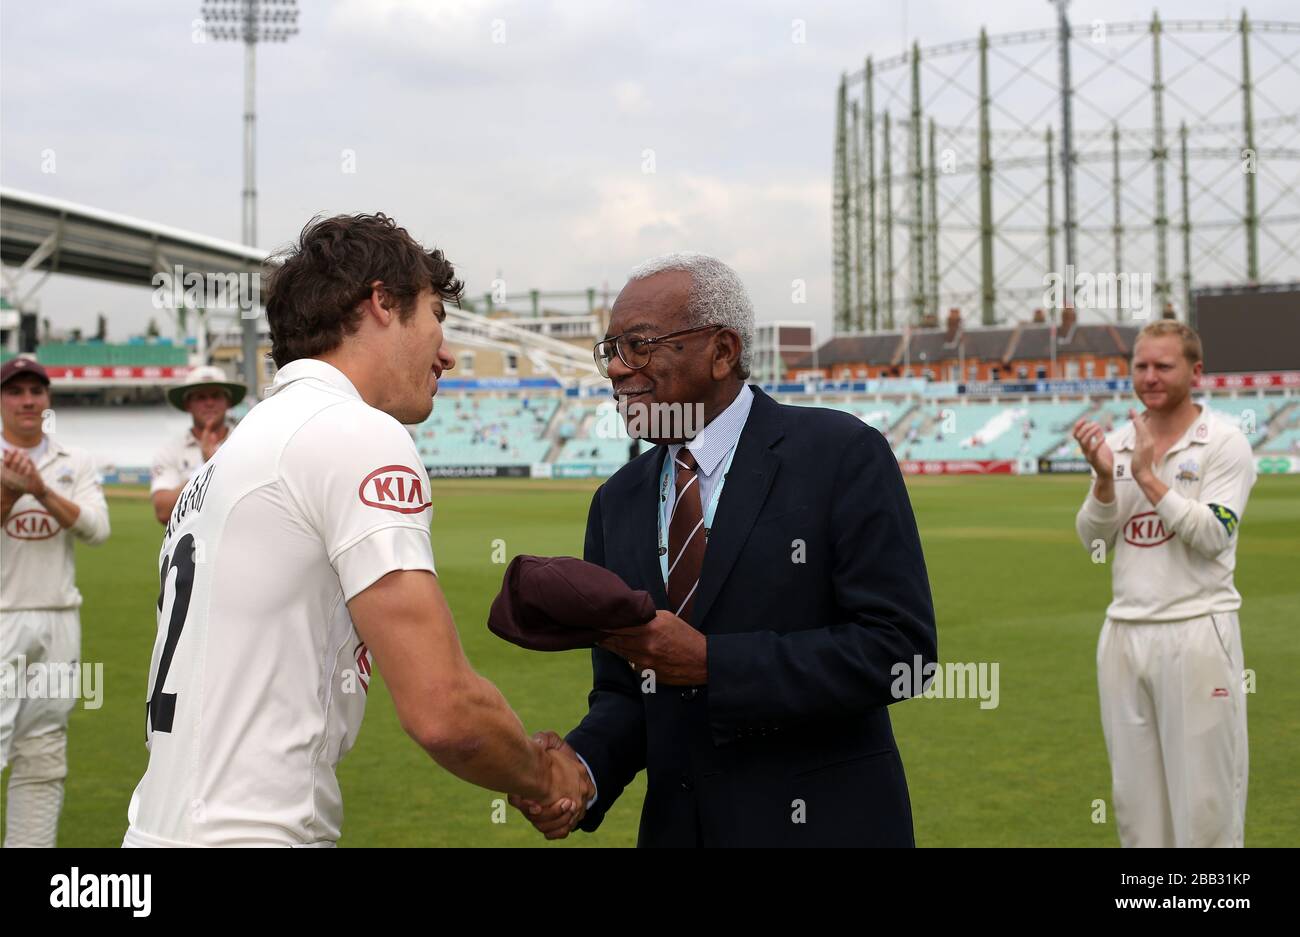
(634, 350)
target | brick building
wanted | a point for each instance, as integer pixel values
(1011, 353)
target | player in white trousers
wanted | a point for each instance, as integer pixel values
(1169, 492)
(49, 495)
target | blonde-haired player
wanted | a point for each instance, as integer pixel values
(1168, 496)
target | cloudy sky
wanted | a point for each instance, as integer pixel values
(518, 136)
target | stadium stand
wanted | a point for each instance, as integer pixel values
(475, 430)
(1251, 414)
(1005, 430)
(584, 435)
(1285, 432)
(881, 414)
(97, 354)
(120, 438)
(591, 436)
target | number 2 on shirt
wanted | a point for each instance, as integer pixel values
(161, 708)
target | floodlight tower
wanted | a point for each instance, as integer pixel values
(250, 22)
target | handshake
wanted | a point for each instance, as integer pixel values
(563, 603)
(571, 790)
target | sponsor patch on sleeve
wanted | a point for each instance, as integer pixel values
(394, 488)
(1225, 517)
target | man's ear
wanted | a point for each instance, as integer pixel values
(726, 353)
(373, 305)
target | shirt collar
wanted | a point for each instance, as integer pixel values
(314, 369)
(1198, 433)
(713, 443)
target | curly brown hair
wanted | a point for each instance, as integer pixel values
(314, 290)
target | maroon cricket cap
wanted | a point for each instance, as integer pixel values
(23, 365)
(559, 603)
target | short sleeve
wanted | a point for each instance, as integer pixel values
(355, 477)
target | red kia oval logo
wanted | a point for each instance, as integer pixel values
(31, 525)
(1146, 530)
(394, 488)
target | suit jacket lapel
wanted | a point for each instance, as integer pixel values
(642, 527)
(752, 472)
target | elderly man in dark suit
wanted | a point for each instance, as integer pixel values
(779, 545)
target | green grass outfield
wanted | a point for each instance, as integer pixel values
(1011, 585)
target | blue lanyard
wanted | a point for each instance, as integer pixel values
(665, 479)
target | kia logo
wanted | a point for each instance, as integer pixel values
(31, 525)
(394, 488)
(1146, 530)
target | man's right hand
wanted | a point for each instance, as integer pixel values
(572, 787)
(454, 714)
(211, 437)
(1092, 440)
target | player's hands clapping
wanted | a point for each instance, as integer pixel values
(571, 786)
(1092, 440)
(19, 474)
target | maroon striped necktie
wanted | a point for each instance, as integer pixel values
(685, 537)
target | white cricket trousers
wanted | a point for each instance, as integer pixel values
(1174, 715)
(34, 732)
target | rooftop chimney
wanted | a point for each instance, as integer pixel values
(1067, 320)
(954, 326)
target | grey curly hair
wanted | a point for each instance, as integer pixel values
(717, 296)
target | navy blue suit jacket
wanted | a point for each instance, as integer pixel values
(813, 587)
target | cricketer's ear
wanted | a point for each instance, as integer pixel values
(379, 305)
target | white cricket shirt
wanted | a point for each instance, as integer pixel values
(178, 459)
(37, 564)
(258, 679)
(1174, 560)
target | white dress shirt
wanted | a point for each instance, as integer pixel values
(712, 446)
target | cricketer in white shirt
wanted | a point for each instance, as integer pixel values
(258, 679)
(1174, 560)
(40, 627)
(1169, 659)
(177, 460)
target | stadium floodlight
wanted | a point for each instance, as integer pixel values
(250, 22)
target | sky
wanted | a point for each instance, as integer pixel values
(552, 144)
